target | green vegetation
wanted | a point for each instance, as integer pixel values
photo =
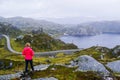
(90, 51)
(17, 66)
(43, 42)
(16, 45)
(3, 49)
(59, 58)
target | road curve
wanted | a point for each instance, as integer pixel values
(37, 54)
(9, 46)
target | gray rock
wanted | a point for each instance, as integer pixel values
(108, 78)
(87, 63)
(114, 66)
(10, 76)
(17, 75)
(41, 67)
(116, 49)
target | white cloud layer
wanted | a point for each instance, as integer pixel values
(60, 8)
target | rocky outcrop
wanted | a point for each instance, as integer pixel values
(114, 66)
(116, 50)
(82, 31)
(87, 63)
(10, 76)
(18, 75)
(29, 24)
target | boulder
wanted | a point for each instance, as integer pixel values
(114, 66)
(41, 67)
(116, 50)
(88, 63)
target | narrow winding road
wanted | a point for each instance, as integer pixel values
(37, 54)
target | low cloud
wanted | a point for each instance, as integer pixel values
(60, 8)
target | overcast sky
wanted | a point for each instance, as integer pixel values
(61, 8)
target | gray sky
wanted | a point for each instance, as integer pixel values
(61, 8)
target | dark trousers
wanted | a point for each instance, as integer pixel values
(26, 65)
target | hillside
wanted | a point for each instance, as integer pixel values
(58, 65)
(105, 26)
(82, 29)
(29, 24)
(93, 28)
(8, 29)
(44, 42)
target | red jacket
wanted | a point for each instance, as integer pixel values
(28, 53)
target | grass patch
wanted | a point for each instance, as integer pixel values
(17, 66)
(90, 51)
(16, 45)
(4, 53)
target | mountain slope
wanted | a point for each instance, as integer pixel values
(9, 29)
(105, 26)
(91, 28)
(29, 24)
(94, 28)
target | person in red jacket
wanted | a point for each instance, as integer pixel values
(28, 54)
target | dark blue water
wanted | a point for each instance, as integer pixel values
(106, 40)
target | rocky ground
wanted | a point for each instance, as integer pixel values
(83, 66)
(83, 63)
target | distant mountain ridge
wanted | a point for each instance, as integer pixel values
(30, 24)
(91, 28)
(94, 28)
(105, 26)
(82, 30)
(25, 22)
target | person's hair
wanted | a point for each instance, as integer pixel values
(27, 44)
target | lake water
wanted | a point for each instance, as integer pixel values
(106, 40)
